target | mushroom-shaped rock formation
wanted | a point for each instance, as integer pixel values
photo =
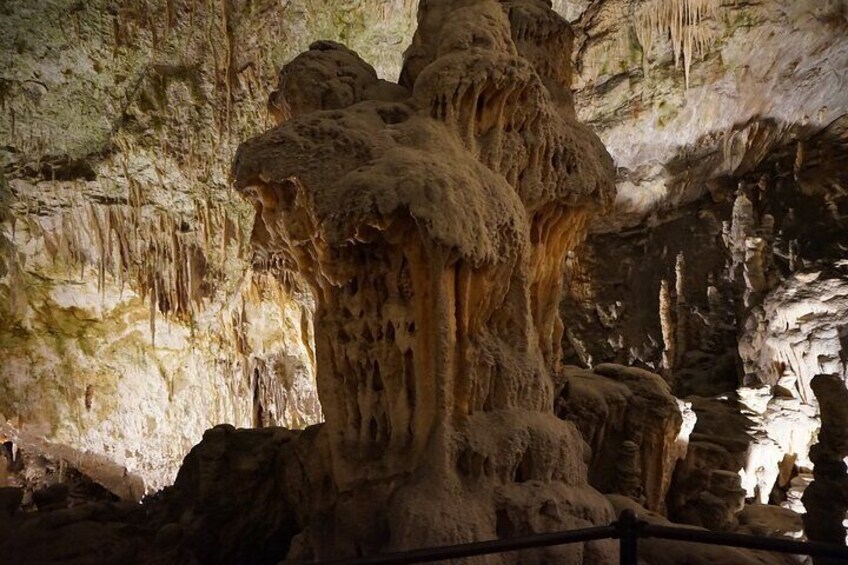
(431, 220)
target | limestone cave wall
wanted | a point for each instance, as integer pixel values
(133, 313)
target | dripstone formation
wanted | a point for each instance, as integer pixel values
(431, 220)
(421, 235)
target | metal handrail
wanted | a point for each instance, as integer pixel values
(779, 545)
(428, 555)
(628, 529)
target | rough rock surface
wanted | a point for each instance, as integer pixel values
(683, 92)
(665, 552)
(133, 314)
(770, 520)
(718, 297)
(118, 122)
(730, 145)
(800, 331)
(436, 380)
(707, 487)
(826, 499)
(633, 425)
(235, 500)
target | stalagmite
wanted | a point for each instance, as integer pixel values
(682, 308)
(634, 426)
(669, 333)
(437, 282)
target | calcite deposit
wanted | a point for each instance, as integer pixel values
(536, 263)
(684, 93)
(431, 221)
(827, 496)
(636, 428)
(133, 314)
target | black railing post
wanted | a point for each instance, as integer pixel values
(627, 527)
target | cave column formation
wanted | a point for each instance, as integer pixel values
(826, 499)
(431, 219)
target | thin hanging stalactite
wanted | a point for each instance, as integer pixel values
(682, 21)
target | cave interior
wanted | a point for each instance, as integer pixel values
(312, 280)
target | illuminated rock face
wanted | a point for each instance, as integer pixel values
(683, 92)
(87, 383)
(432, 220)
(739, 326)
(800, 331)
(133, 315)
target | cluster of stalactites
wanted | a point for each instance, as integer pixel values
(145, 249)
(683, 21)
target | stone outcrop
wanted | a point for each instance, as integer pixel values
(665, 552)
(826, 499)
(770, 520)
(634, 426)
(432, 232)
(707, 488)
(230, 502)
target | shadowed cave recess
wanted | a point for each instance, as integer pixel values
(305, 280)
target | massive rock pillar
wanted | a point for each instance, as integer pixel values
(826, 499)
(431, 220)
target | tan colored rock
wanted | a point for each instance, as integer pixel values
(133, 314)
(770, 520)
(707, 488)
(432, 233)
(86, 380)
(632, 423)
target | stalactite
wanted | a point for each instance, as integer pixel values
(799, 160)
(683, 22)
(146, 247)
